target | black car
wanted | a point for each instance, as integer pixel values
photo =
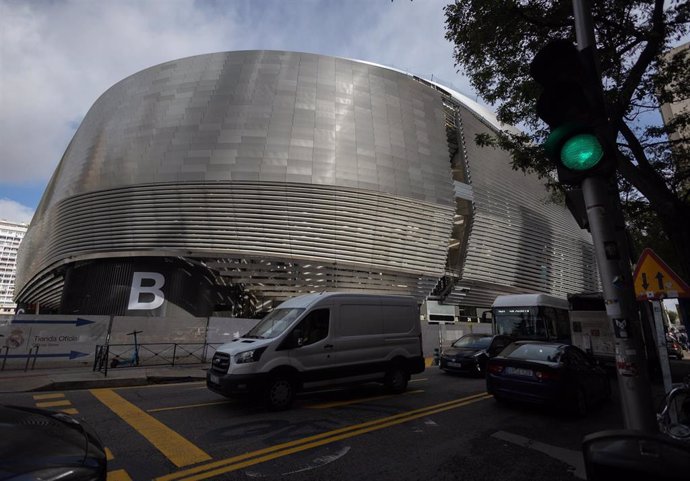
(469, 353)
(38, 445)
(548, 373)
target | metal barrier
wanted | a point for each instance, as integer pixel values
(31, 357)
(28, 358)
(4, 357)
(116, 356)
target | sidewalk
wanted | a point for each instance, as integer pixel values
(85, 378)
(16, 381)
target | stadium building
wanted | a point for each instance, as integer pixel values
(222, 183)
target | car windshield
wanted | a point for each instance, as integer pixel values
(475, 342)
(533, 352)
(274, 324)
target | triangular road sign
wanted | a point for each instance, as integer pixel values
(653, 279)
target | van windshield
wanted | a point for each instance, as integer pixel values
(274, 324)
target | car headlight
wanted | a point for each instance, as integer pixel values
(479, 354)
(249, 356)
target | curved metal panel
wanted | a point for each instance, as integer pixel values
(519, 240)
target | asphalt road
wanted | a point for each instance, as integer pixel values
(444, 427)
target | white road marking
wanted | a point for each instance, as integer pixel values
(315, 463)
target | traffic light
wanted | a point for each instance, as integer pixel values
(570, 103)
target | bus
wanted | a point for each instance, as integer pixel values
(532, 316)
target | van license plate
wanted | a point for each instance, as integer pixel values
(214, 379)
(518, 371)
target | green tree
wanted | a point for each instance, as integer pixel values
(494, 43)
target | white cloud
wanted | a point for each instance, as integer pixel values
(58, 57)
(15, 212)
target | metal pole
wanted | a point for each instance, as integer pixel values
(4, 359)
(107, 359)
(660, 332)
(614, 270)
(616, 279)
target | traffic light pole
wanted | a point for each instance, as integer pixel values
(616, 278)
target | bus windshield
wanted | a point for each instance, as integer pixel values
(519, 322)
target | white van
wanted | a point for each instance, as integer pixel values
(318, 340)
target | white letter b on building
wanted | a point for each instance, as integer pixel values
(138, 289)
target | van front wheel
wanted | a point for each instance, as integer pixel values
(396, 379)
(280, 392)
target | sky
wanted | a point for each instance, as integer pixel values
(58, 56)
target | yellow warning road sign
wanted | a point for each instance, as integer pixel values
(653, 279)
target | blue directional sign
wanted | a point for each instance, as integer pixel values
(70, 355)
(76, 322)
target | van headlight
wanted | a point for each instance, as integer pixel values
(249, 356)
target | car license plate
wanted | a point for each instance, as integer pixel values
(214, 379)
(454, 364)
(518, 371)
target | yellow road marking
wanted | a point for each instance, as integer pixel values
(69, 411)
(109, 454)
(53, 404)
(186, 406)
(176, 448)
(118, 475)
(38, 397)
(358, 400)
(249, 459)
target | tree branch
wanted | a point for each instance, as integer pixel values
(649, 53)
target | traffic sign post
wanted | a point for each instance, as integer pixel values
(660, 334)
(654, 281)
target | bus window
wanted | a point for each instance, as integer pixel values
(550, 319)
(563, 324)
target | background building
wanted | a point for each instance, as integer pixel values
(671, 110)
(11, 234)
(225, 182)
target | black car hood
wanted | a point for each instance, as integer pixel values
(33, 438)
(465, 352)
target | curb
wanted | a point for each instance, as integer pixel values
(114, 383)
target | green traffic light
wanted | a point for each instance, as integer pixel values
(581, 152)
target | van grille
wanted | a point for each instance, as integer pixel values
(220, 363)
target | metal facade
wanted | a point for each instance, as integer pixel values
(288, 173)
(258, 157)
